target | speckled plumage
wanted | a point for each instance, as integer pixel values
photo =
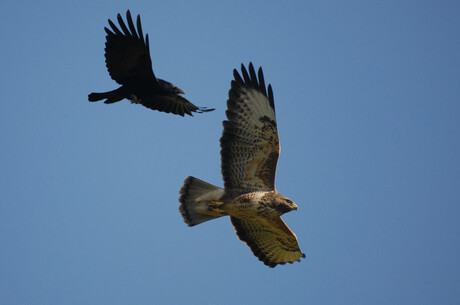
(249, 152)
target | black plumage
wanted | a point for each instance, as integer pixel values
(127, 57)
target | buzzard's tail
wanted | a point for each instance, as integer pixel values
(195, 198)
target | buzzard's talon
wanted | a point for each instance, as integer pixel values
(216, 211)
(213, 206)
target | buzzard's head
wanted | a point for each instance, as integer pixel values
(276, 204)
(284, 205)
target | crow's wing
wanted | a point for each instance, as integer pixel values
(173, 103)
(127, 53)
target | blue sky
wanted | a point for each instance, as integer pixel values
(368, 105)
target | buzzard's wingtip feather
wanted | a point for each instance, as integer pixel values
(270, 96)
(246, 77)
(238, 79)
(254, 80)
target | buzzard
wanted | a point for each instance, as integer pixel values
(249, 152)
(127, 57)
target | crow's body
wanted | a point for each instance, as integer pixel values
(128, 61)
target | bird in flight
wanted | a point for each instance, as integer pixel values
(249, 154)
(127, 57)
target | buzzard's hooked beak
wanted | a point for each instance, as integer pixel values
(290, 205)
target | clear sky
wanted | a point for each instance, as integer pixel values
(367, 95)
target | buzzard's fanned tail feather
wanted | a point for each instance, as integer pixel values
(195, 198)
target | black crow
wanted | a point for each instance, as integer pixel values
(127, 58)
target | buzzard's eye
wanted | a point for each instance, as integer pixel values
(289, 201)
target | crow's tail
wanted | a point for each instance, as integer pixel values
(110, 96)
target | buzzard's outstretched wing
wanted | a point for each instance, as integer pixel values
(249, 144)
(127, 54)
(270, 239)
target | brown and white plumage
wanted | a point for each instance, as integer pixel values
(270, 239)
(250, 144)
(249, 150)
